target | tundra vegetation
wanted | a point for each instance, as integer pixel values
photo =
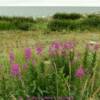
(56, 57)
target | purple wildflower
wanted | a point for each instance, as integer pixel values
(80, 72)
(39, 50)
(28, 53)
(15, 69)
(55, 48)
(56, 45)
(69, 45)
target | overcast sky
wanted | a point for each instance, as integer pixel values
(51, 2)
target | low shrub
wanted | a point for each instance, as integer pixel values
(24, 26)
(91, 22)
(58, 25)
(93, 15)
(88, 22)
(72, 16)
(12, 19)
(16, 23)
(15, 26)
(7, 26)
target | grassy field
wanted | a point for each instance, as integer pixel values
(36, 61)
(19, 40)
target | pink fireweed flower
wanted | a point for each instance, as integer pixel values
(80, 72)
(11, 57)
(15, 70)
(56, 45)
(28, 53)
(69, 45)
(55, 48)
(39, 50)
(38, 47)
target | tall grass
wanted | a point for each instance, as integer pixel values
(62, 72)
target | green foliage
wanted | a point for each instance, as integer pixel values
(58, 22)
(12, 19)
(16, 23)
(7, 26)
(56, 78)
(24, 26)
(72, 16)
(88, 22)
(91, 22)
(58, 25)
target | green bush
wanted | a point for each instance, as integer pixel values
(92, 21)
(16, 23)
(23, 26)
(64, 25)
(7, 26)
(12, 19)
(93, 15)
(13, 26)
(61, 22)
(72, 16)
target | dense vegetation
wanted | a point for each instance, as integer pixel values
(59, 71)
(64, 22)
(58, 22)
(55, 66)
(15, 23)
(72, 16)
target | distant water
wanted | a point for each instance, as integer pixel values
(44, 11)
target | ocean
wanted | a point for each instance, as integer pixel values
(44, 11)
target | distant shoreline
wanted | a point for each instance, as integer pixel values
(44, 11)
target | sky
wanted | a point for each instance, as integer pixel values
(49, 2)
